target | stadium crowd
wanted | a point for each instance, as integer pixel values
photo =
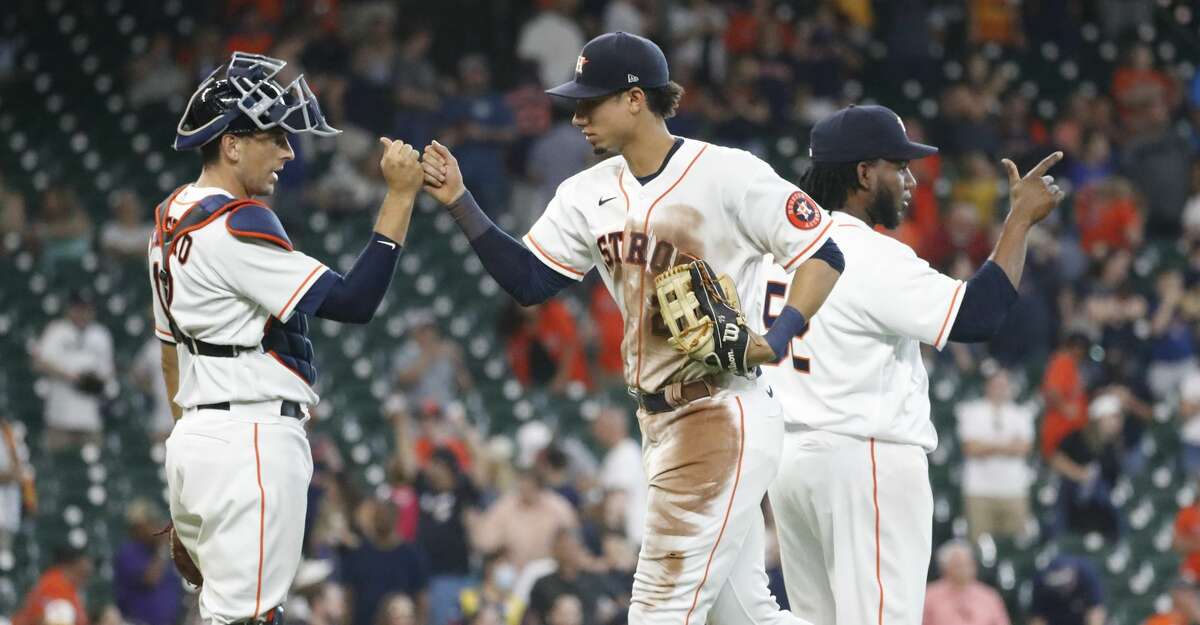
(541, 527)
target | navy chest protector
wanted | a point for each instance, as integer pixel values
(286, 342)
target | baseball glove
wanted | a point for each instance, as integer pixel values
(702, 312)
(183, 562)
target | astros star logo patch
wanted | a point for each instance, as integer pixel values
(579, 63)
(802, 211)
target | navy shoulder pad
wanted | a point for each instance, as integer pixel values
(255, 221)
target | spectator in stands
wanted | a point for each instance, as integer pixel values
(480, 126)
(608, 328)
(997, 436)
(567, 610)
(448, 502)
(1138, 87)
(57, 596)
(1107, 217)
(524, 522)
(429, 366)
(1095, 163)
(382, 563)
(418, 88)
(1068, 592)
(1174, 617)
(494, 592)
(63, 228)
(958, 597)
(126, 235)
(978, 186)
(17, 494)
(15, 233)
(571, 575)
(551, 38)
(621, 468)
(1089, 462)
(147, 588)
(1063, 393)
(618, 560)
(1172, 339)
(146, 376)
(325, 604)
(553, 465)
(353, 184)
(961, 234)
(544, 347)
(557, 154)
(396, 609)
(1186, 591)
(1189, 417)
(154, 76)
(75, 355)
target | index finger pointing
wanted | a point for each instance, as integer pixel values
(1045, 165)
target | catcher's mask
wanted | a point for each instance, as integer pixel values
(242, 97)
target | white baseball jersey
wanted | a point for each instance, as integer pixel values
(224, 290)
(857, 370)
(709, 202)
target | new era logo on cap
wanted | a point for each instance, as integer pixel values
(630, 78)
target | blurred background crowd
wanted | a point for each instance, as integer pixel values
(478, 463)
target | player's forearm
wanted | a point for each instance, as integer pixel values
(170, 370)
(517, 271)
(395, 214)
(811, 284)
(355, 297)
(1011, 248)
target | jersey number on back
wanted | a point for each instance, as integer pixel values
(779, 290)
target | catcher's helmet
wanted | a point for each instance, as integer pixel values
(248, 99)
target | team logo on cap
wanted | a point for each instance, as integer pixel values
(802, 211)
(579, 63)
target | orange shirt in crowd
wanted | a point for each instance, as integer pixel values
(610, 331)
(1063, 379)
(1187, 523)
(1166, 618)
(555, 329)
(1105, 223)
(53, 585)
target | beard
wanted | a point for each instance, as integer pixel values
(884, 209)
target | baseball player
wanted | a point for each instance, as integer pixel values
(711, 437)
(853, 502)
(231, 302)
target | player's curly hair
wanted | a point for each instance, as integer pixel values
(830, 184)
(664, 101)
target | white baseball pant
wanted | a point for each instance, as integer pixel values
(238, 486)
(855, 524)
(708, 464)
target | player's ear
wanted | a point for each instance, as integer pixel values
(866, 174)
(231, 147)
(637, 100)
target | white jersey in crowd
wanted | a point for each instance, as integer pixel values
(886, 303)
(709, 202)
(77, 351)
(225, 290)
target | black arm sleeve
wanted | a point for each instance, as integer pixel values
(517, 271)
(986, 303)
(353, 298)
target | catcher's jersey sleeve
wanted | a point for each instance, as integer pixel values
(558, 237)
(774, 215)
(267, 274)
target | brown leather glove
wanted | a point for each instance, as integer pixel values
(183, 561)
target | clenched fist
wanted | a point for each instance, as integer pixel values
(443, 179)
(1035, 195)
(401, 167)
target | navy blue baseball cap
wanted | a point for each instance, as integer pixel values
(613, 62)
(863, 133)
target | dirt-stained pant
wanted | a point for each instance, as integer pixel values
(238, 483)
(709, 464)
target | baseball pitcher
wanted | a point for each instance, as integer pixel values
(853, 504)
